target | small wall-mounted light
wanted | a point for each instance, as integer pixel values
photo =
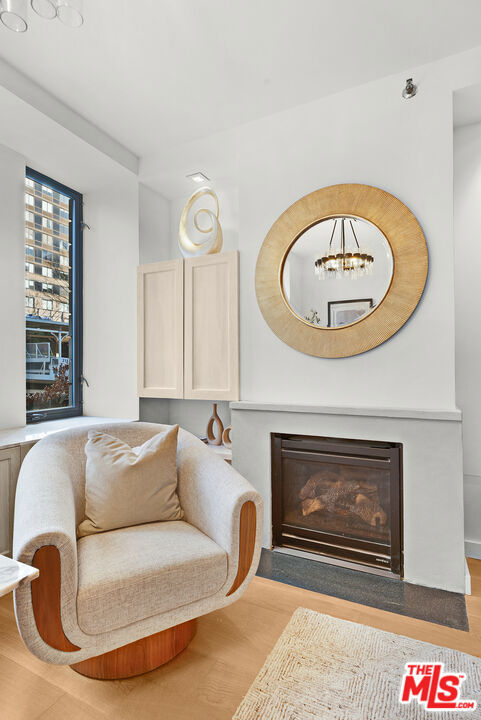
(198, 177)
(410, 90)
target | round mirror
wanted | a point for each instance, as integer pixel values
(337, 272)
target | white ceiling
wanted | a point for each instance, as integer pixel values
(156, 73)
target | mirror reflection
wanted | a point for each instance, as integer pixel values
(337, 272)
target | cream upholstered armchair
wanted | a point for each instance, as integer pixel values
(122, 602)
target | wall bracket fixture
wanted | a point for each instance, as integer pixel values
(410, 89)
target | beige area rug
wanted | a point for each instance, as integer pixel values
(325, 668)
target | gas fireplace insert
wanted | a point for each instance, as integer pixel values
(338, 498)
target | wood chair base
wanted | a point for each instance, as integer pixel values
(140, 656)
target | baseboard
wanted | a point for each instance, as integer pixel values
(467, 579)
(472, 549)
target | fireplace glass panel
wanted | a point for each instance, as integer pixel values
(340, 499)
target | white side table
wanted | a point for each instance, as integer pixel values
(13, 573)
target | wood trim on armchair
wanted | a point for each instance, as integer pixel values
(247, 541)
(46, 599)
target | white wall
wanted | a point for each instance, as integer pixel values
(154, 226)
(467, 217)
(110, 256)
(368, 135)
(12, 289)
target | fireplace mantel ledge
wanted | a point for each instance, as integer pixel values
(454, 415)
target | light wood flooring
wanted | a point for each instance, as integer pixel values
(208, 680)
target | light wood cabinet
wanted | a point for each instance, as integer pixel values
(160, 328)
(9, 467)
(211, 327)
(188, 328)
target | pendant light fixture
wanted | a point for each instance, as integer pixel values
(45, 8)
(13, 13)
(70, 12)
(344, 263)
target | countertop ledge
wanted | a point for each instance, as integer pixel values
(32, 433)
(454, 415)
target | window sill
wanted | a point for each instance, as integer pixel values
(31, 433)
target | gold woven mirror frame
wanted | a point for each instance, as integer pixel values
(410, 260)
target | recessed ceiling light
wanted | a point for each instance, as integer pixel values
(198, 177)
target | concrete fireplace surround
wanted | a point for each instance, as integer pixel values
(432, 473)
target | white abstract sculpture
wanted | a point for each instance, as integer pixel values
(203, 246)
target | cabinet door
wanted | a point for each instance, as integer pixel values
(211, 325)
(9, 467)
(160, 329)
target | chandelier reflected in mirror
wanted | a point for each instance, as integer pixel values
(344, 262)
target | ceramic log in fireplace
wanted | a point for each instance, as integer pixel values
(338, 498)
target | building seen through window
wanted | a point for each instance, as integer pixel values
(49, 304)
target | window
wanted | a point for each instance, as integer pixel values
(53, 309)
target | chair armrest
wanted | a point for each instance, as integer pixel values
(44, 506)
(45, 536)
(222, 504)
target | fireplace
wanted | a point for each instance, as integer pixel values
(340, 499)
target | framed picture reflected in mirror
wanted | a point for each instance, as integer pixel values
(346, 312)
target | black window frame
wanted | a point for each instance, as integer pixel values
(76, 288)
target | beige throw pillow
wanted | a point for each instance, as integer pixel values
(129, 486)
